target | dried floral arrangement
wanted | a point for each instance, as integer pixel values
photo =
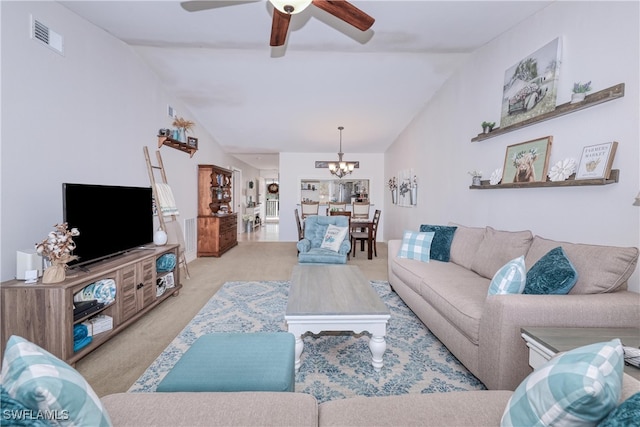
(393, 184)
(59, 244)
(181, 123)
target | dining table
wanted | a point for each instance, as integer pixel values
(361, 223)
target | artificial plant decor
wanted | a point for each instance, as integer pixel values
(58, 248)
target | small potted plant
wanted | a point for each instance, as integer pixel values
(580, 91)
(475, 176)
(487, 126)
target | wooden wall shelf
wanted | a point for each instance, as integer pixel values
(178, 145)
(609, 94)
(614, 176)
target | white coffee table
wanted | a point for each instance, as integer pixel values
(335, 298)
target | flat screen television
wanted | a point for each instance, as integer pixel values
(111, 219)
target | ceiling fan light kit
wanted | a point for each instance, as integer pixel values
(341, 168)
(283, 9)
(290, 7)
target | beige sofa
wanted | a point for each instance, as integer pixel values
(482, 331)
(465, 408)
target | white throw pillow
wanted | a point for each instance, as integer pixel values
(510, 279)
(333, 237)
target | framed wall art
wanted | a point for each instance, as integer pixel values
(192, 142)
(527, 161)
(596, 161)
(530, 86)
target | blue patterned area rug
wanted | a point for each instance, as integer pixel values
(335, 365)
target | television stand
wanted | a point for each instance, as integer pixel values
(43, 313)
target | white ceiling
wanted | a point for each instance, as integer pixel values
(257, 101)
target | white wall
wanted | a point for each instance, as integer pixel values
(82, 117)
(295, 167)
(602, 46)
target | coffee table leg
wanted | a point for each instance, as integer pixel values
(377, 345)
(299, 348)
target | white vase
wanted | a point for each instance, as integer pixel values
(577, 97)
(476, 180)
(160, 237)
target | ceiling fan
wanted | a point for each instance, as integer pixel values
(283, 9)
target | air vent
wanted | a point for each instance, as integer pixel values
(46, 35)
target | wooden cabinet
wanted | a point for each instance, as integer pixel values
(136, 287)
(43, 313)
(217, 223)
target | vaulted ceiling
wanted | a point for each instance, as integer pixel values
(257, 101)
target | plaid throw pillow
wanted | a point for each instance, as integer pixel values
(416, 246)
(47, 385)
(510, 279)
(579, 387)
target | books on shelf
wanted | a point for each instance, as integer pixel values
(98, 324)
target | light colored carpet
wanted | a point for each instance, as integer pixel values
(334, 365)
(117, 364)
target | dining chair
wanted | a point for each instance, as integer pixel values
(300, 230)
(360, 210)
(333, 206)
(309, 208)
(362, 236)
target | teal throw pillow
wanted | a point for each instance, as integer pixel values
(416, 246)
(510, 279)
(44, 383)
(552, 274)
(625, 415)
(14, 413)
(441, 245)
(579, 387)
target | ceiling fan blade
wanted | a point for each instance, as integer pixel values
(347, 12)
(279, 27)
(198, 5)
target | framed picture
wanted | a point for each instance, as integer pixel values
(192, 142)
(527, 161)
(596, 161)
(530, 86)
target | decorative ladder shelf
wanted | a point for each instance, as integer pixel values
(609, 94)
(614, 176)
(178, 145)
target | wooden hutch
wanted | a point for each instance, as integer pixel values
(217, 223)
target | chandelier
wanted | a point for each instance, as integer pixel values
(341, 168)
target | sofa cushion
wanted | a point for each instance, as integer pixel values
(212, 409)
(465, 244)
(510, 279)
(43, 382)
(416, 245)
(457, 294)
(455, 408)
(600, 268)
(579, 387)
(441, 244)
(553, 274)
(411, 271)
(497, 248)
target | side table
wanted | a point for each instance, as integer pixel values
(544, 343)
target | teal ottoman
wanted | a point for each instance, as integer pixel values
(260, 361)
